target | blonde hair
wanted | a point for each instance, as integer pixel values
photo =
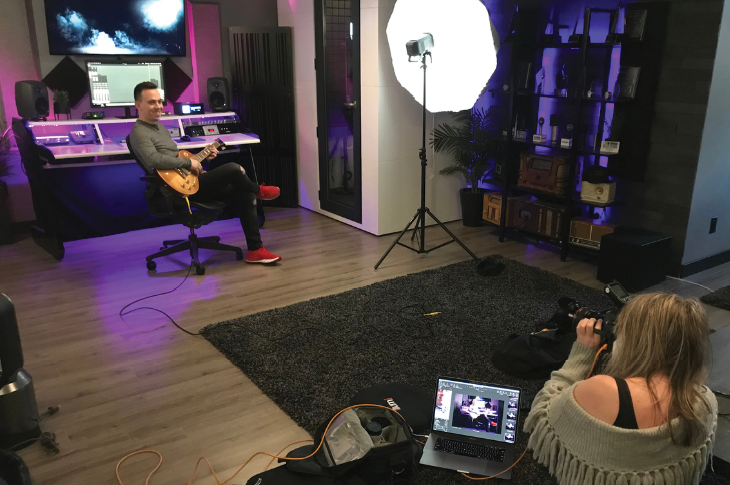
(660, 334)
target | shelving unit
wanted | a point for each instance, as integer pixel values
(573, 109)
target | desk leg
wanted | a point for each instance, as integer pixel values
(49, 242)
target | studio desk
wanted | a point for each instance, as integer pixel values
(85, 183)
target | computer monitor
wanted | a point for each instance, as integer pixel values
(111, 84)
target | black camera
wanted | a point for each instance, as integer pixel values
(571, 312)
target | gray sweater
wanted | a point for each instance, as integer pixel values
(579, 449)
(155, 148)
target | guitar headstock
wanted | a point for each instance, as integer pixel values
(219, 144)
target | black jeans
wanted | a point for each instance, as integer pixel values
(228, 183)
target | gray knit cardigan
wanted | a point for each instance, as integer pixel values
(579, 449)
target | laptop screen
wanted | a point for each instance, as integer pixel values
(476, 410)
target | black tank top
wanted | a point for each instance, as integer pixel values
(626, 417)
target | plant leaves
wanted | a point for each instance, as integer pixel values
(475, 143)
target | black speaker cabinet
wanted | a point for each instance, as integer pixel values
(31, 99)
(11, 354)
(219, 94)
(634, 257)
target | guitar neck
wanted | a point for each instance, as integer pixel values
(203, 154)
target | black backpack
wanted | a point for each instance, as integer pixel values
(392, 462)
(534, 355)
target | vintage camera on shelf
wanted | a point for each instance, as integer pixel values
(571, 312)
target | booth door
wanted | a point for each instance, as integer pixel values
(337, 34)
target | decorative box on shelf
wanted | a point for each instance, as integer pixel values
(610, 147)
(493, 207)
(536, 216)
(543, 172)
(583, 232)
(600, 193)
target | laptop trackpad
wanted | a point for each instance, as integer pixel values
(465, 463)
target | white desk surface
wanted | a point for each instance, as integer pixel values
(102, 121)
(110, 148)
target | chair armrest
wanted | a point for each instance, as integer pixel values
(148, 177)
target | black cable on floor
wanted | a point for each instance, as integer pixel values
(122, 312)
(195, 334)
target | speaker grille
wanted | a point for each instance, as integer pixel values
(217, 100)
(42, 106)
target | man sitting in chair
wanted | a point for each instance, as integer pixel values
(152, 143)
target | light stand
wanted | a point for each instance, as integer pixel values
(420, 217)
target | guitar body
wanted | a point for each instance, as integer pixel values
(182, 181)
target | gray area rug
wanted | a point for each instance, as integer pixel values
(719, 298)
(310, 358)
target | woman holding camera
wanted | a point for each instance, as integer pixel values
(648, 419)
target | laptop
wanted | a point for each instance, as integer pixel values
(473, 428)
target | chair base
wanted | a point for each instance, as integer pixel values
(193, 243)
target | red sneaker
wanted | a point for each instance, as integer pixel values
(267, 192)
(262, 255)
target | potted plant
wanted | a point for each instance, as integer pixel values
(6, 229)
(61, 103)
(475, 144)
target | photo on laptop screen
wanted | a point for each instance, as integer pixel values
(478, 413)
(476, 410)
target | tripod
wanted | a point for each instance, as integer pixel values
(420, 217)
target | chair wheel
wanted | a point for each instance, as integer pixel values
(200, 270)
(239, 256)
(151, 265)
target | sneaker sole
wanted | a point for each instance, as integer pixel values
(265, 261)
(267, 198)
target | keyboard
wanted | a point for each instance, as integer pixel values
(471, 450)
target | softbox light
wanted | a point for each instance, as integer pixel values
(464, 56)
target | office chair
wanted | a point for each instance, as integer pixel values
(165, 207)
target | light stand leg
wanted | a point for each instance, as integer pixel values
(420, 218)
(398, 239)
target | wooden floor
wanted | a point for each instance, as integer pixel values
(125, 386)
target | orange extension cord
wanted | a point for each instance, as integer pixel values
(595, 359)
(274, 457)
(277, 456)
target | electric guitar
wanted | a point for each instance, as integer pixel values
(182, 181)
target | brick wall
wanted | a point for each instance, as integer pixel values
(662, 202)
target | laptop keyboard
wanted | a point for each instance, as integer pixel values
(472, 450)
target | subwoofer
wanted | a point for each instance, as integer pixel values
(31, 99)
(18, 409)
(219, 94)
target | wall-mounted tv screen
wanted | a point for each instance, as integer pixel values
(116, 27)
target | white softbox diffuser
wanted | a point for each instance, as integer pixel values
(464, 57)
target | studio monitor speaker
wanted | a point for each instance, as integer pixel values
(219, 94)
(31, 99)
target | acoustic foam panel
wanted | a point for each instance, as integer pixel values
(175, 80)
(68, 76)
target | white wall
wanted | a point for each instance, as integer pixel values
(391, 127)
(711, 196)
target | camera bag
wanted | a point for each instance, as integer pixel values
(394, 460)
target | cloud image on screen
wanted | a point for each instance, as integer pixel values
(476, 413)
(124, 27)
